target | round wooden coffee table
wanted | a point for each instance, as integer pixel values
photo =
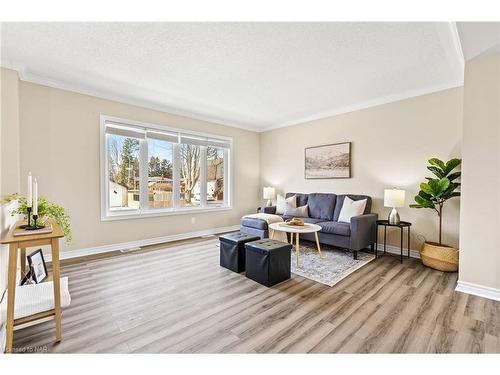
(306, 228)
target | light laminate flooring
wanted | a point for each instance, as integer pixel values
(176, 298)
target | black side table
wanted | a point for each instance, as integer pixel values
(401, 226)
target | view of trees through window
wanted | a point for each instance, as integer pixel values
(123, 168)
(160, 174)
(140, 167)
(215, 175)
(190, 175)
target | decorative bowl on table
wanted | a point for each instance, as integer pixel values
(295, 221)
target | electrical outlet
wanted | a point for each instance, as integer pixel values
(193, 220)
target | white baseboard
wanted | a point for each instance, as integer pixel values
(478, 290)
(397, 250)
(69, 254)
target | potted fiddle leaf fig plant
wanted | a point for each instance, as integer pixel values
(433, 194)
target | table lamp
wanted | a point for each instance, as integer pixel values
(394, 198)
(269, 194)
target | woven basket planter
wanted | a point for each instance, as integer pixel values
(439, 257)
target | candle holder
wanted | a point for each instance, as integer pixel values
(29, 219)
(35, 226)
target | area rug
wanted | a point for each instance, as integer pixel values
(335, 265)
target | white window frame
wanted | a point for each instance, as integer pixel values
(143, 211)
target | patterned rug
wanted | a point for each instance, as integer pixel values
(335, 265)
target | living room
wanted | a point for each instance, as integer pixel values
(310, 187)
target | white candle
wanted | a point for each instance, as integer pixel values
(29, 198)
(35, 198)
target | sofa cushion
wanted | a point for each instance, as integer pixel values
(340, 202)
(335, 227)
(321, 205)
(251, 222)
(351, 208)
(301, 198)
(282, 203)
(302, 211)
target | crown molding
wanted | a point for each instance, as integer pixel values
(368, 104)
(26, 75)
(457, 43)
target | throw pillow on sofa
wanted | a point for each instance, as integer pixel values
(282, 203)
(302, 211)
(351, 208)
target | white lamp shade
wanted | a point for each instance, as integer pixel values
(394, 198)
(269, 192)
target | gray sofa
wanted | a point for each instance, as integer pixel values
(324, 210)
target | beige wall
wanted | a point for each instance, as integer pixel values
(480, 214)
(9, 169)
(391, 144)
(9, 135)
(60, 145)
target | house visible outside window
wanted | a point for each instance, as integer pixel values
(149, 169)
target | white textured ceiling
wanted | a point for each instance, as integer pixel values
(479, 38)
(252, 75)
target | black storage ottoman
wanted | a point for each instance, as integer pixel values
(232, 250)
(268, 261)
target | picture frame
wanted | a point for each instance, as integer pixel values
(38, 268)
(330, 161)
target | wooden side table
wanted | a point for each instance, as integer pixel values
(21, 243)
(401, 226)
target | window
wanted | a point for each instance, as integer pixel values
(190, 175)
(149, 169)
(160, 173)
(215, 175)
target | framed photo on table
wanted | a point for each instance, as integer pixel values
(37, 265)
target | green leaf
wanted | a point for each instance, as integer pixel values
(451, 165)
(426, 188)
(424, 195)
(424, 202)
(438, 163)
(454, 176)
(443, 185)
(437, 171)
(433, 185)
(416, 206)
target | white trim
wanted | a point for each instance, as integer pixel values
(457, 43)
(397, 250)
(161, 127)
(367, 104)
(203, 176)
(140, 214)
(109, 215)
(478, 290)
(26, 75)
(70, 254)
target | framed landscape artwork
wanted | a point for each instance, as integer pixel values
(328, 161)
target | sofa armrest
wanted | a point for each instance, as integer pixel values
(267, 210)
(363, 231)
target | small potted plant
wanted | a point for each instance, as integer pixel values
(433, 194)
(46, 210)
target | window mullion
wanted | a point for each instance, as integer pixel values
(203, 176)
(176, 176)
(143, 174)
(227, 189)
